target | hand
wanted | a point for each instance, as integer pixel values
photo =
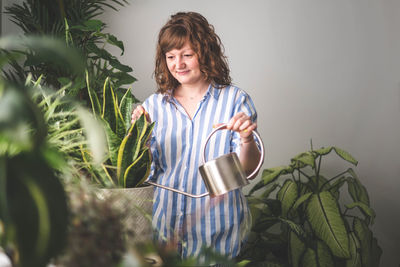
(137, 112)
(242, 124)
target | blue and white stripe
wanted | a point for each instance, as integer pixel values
(176, 145)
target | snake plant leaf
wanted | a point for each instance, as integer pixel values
(324, 216)
(138, 171)
(287, 195)
(355, 247)
(363, 208)
(271, 174)
(319, 257)
(94, 99)
(128, 151)
(113, 143)
(370, 251)
(37, 208)
(301, 200)
(110, 110)
(126, 107)
(306, 158)
(296, 249)
(345, 155)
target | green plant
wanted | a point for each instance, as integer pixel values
(306, 222)
(73, 21)
(33, 209)
(128, 160)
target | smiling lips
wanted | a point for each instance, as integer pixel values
(182, 72)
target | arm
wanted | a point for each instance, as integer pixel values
(249, 153)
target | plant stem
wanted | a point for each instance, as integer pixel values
(337, 176)
(304, 174)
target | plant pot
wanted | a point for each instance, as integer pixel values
(136, 204)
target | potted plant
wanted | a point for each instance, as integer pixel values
(303, 217)
(127, 163)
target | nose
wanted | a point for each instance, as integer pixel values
(180, 62)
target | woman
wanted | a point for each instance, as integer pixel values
(195, 94)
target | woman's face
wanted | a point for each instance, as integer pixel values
(184, 66)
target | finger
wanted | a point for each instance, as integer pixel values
(240, 121)
(245, 125)
(234, 119)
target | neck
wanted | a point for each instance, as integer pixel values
(192, 90)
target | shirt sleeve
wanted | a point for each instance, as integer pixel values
(243, 103)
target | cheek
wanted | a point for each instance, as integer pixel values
(170, 66)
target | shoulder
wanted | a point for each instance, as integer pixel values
(154, 99)
(236, 92)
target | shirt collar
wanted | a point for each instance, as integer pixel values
(167, 97)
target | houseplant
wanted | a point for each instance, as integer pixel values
(304, 218)
(127, 164)
(77, 23)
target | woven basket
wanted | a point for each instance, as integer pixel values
(136, 204)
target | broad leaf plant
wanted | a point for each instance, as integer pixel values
(303, 218)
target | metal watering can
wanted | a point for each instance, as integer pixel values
(222, 174)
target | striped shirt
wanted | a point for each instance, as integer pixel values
(221, 222)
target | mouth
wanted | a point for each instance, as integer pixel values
(182, 72)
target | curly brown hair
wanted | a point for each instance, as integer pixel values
(192, 27)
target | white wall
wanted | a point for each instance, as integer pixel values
(327, 70)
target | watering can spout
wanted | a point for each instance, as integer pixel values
(222, 174)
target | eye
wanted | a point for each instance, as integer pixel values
(170, 57)
(188, 55)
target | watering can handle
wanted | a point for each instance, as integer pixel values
(223, 127)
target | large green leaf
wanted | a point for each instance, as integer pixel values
(301, 200)
(345, 155)
(335, 187)
(271, 174)
(321, 257)
(363, 208)
(355, 247)
(287, 195)
(38, 209)
(296, 249)
(306, 158)
(370, 251)
(357, 191)
(325, 219)
(111, 39)
(323, 151)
